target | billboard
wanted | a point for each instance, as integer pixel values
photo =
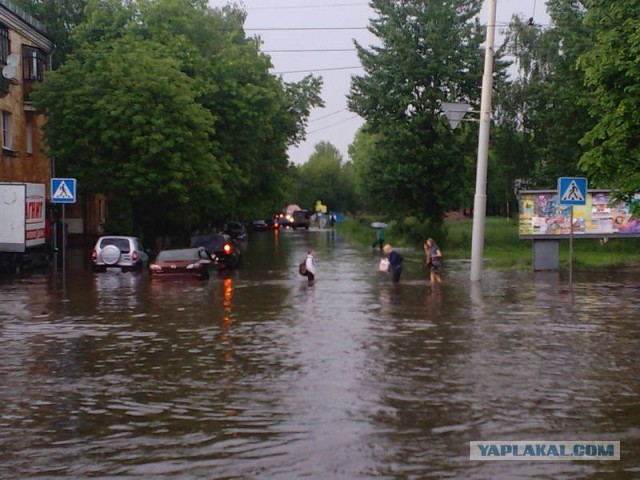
(542, 216)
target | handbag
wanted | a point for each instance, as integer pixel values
(384, 265)
(302, 268)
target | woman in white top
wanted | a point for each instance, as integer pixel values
(310, 264)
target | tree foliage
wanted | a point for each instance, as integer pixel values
(612, 74)
(60, 18)
(325, 177)
(168, 104)
(429, 53)
(545, 99)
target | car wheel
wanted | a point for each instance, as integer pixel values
(110, 254)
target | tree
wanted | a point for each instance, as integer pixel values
(429, 54)
(123, 119)
(168, 104)
(546, 98)
(324, 177)
(60, 18)
(612, 74)
(361, 151)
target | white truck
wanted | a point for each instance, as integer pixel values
(22, 225)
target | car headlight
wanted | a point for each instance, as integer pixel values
(155, 268)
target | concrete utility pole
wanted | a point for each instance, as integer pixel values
(480, 199)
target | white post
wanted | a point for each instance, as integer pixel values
(480, 199)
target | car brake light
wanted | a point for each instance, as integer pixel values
(134, 255)
(94, 255)
(227, 248)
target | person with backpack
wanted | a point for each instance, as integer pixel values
(308, 267)
(395, 262)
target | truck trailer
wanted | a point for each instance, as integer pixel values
(22, 225)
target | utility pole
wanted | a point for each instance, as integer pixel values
(480, 199)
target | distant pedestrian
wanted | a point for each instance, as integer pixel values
(434, 260)
(378, 239)
(395, 262)
(310, 267)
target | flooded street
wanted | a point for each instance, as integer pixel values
(254, 374)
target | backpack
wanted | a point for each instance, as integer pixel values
(302, 268)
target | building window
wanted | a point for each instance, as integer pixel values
(34, 63)
(5, 47)
(29, 135)
(7, 137)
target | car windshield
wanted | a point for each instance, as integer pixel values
(213, 243)
(121, 243)
(178, 255)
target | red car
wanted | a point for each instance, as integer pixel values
(184, 262)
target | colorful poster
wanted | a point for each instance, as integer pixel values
(542, 215)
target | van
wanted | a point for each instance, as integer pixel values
(301, 219)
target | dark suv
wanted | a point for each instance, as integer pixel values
(222, 247)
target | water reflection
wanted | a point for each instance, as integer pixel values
(253, 374)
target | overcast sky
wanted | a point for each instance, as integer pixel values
(316, 36)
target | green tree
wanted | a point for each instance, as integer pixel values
(60, 18)
(545, 101)
(172, 96)
(326, 178)
(123, 119)
(429, 53)
(612, 74)
(361, 151)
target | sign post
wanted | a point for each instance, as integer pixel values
(572, 191)
(63, 190)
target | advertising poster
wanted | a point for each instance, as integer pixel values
(541, 215)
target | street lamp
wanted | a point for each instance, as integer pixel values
(480, 199)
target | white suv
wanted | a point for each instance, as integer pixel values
(125, 253)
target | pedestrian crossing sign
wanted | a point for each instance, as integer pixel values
(63, 190)
(572, 191)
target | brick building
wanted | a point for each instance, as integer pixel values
(25, 52)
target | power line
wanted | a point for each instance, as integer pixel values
(333, 125)
(293, 7)
(328, 115)
(318, 70)
(311, 50)
(293, 29)
(311, 29)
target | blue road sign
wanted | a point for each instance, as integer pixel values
(63, 190)
(572, 191)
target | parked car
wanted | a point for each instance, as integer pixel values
(226, 253)
(235, 229)
(259, 225)
(126, 253)
(183, 262)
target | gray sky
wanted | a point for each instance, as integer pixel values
(331, 54)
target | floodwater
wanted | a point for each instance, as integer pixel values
(254, 374)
